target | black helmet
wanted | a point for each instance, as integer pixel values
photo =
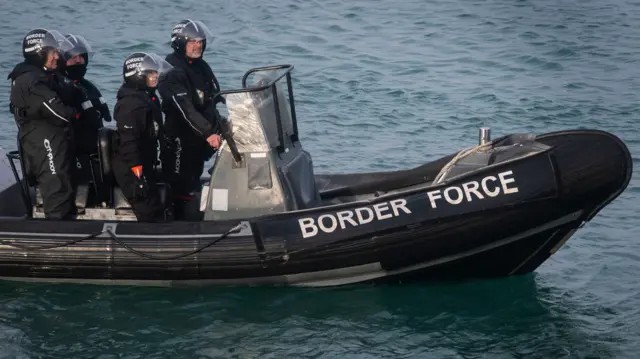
(73, 46)
(37, 43)
(76, 45)
(189, 30)
(138, 66)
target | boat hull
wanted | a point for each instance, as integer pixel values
(502, 220)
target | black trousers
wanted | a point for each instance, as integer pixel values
(49, 159)
(85, 138)
(148, 206)
(82, 173)
(183, 161)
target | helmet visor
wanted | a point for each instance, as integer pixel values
(146, 64)
(75, 45)
(193, 30)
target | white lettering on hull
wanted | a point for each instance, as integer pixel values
(490, 186)
(487, 187)
(329, 222)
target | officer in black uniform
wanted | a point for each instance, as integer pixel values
(44, 122)
(136, 111)
(92, 107)
(86, 99)
(191, 129)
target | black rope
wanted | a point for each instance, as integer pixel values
(51, 246)
(127, 247)
(148, 256)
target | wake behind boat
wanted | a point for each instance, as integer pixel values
(264, 217)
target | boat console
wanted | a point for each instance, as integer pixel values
(262, 167)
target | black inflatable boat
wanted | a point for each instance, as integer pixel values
(498, 208)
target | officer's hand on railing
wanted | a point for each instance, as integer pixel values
(214, 141)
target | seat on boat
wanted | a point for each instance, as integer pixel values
(114, 196)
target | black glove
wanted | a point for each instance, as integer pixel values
(18, 111)
(92, 115)
(104, 111)
(68, 91)
(219, 99)
(141, 188)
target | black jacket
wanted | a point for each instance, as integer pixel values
(91, 100)
(36, 98)
(135, 113)
(189, 93)
(88, 101)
